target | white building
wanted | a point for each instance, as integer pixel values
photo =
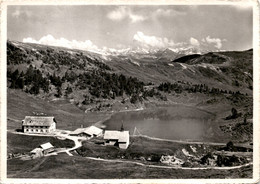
(38, 124)
(42, 150)
(47, 148)
(117, 138)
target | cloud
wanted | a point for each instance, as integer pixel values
(168, 12)
(152, 41)
(141, 41)
(243, 6)
(136, 18)
(29, 40)
(123, 12)
(194, 42)
(16, 13)
(216, 41)
(118, 14)
(19, 12)
(62, 42)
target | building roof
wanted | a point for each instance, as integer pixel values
(35, 150)
(92, 130)
(121, 136)
(46, 146)
(38, 120)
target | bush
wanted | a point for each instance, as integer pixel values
(233, 115)
(230, 146)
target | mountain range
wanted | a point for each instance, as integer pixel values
(84, 73)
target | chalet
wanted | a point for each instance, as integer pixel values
(117, 138)
(42, 150)
(37, 152)
(38, 124)
(47, 148)
(89, 132)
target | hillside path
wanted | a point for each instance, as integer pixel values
(58, 134)
(169, 167)
(76, 142)
(183, 142)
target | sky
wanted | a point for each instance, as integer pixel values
(103, 27)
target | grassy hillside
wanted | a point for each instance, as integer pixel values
(68, 116)
(146, 148)
(50, 167)
(17, 143)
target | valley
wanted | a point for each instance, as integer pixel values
(205, 98)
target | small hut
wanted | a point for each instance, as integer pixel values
(47, 148)
(37, 152)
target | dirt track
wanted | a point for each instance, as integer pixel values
(171, 167)
(183, 142)
(58, 134)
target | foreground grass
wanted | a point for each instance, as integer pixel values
(144, 147)
(76, 167)
(17, 143)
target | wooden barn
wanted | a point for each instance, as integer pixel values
(47, 148)
(42, 150)
(38, 124)
(117, 138)
(89, 132)
(37, 152)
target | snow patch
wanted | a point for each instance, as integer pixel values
(105, 57)
(203, 65)
(71, 52)
(247, 73)
(170, 64)
(183, 66)
(210, 66)
(192, 70)
(134, 62)
(19, 46)
(185, 152)
(214, 68)
(193, 149)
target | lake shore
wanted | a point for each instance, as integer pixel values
(101, 122)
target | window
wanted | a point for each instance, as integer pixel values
(36, 130)
(41, 130)
(27, 130)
